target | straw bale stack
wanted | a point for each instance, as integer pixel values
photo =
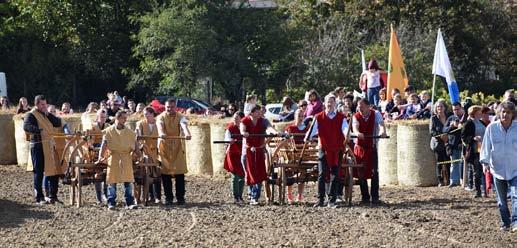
(387, 150)
(22, 145)
(415, 161)
(7, 141)
(198, 149)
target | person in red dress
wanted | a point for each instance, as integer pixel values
(298, 129)
(232, 161)
(331, 127)
(253, 151)
(367, 123)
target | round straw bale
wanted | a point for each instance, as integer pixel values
(132, 120)
(73, 121)
(22, 145)
(87, 121)
(7, 143)
(387, 149)
(281, 126)
(415, 161)
(217, 131)
(199, 158)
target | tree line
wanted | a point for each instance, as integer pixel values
(73, 50)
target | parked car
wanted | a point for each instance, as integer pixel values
(184, 103)
(273, 111)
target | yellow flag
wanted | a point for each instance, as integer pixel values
(397, 77)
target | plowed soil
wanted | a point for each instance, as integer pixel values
(410, 217)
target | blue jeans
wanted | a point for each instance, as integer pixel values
(456, 168)
(373, 95)
(128, 194)
(501, 187)
(255, 190)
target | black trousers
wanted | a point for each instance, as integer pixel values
(441, 156)
(477, 168)
(155, 189)
(323, 170)
(363, 183)
(180, 187)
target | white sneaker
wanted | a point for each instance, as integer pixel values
(339, 199)
(157, 201)
(514, 228)
(111, 207)
(132, 206)
(332, 205)
(253, 202)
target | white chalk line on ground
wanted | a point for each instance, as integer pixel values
(119, 218)
(194, 222)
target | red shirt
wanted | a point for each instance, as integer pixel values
(258, 128)
(293, 129)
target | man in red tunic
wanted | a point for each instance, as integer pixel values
(253, 151)
(367, 123)
(232, 161)
(331, 127)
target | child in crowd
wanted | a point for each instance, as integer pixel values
(251, 102)
(412, 109)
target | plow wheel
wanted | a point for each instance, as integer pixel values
(276, 170)
(78, 157)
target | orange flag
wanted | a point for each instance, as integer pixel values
(397, 77)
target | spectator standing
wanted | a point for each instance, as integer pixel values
(438, 139)
(23, 106)
(314, 103)
(498, 153)
(454, 144)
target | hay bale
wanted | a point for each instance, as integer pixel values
(199, 157)
(88, 120)
(387, 150)
(74, 122)
(415, 161)
(217, 130)
(132, 120)
(281, 126)
(8, 144)
(22, 145)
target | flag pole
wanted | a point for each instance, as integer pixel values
(434, 88)
(434, 78)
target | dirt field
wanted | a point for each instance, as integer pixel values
(411, 217)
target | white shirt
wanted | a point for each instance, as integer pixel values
(373, 79)
(248, 107)
(499, 150)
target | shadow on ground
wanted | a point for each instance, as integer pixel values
(13, 214)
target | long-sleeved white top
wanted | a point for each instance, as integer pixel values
(499, 150)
